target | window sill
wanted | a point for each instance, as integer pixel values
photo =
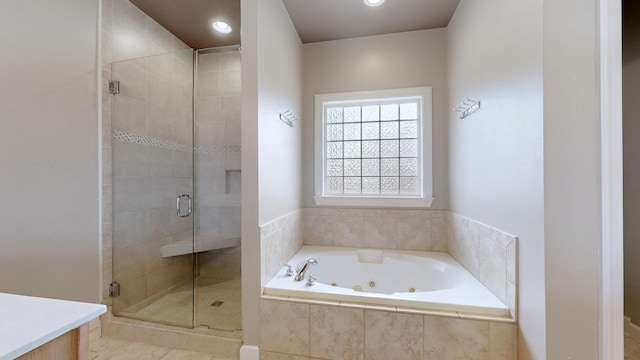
(390, 202)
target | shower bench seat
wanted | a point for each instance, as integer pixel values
(202, 243)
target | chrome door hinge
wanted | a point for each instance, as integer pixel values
(114, 87)
(114, 289)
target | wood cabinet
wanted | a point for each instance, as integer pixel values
(72, 345)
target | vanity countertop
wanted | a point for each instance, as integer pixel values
(28, 322)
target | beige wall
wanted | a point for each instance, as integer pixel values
(495, 155)
(572, 198)
(49, 221)
(391, 61)
(279, 90)
(631, 108)
(271, 159)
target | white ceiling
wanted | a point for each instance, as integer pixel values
(322, 20)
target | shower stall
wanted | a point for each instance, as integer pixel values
(176, 188)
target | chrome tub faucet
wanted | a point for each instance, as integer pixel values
(302, 271)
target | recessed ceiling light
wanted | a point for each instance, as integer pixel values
(373, 2)
(223, 27)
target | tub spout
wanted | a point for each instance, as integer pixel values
(302, 271)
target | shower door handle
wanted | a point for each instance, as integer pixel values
(179, 205)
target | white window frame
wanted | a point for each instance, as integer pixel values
(424, 199)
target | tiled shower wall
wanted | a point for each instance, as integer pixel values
(218, 127)
(218, 156)
(127, 33)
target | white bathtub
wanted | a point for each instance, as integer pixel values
(415, 279)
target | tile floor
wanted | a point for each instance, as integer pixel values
(228, 315)
(104, 348)
(176, 307)
(631, 348)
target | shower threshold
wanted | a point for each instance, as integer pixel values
(225, 344)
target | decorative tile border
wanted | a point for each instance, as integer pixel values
(208, 149)
(172, 145)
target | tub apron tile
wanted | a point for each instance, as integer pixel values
(393, 336)
(336, 333)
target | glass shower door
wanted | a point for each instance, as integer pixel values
(218, 295)
(152, 165)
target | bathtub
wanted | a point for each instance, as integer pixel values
(412, 279)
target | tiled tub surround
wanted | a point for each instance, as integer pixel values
(425, 230)
(280, 240)
(489, 254)
(486, 252)
(296, 328)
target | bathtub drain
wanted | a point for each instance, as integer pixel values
(372, 284)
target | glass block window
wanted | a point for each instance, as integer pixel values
(375, 146)
(372, 149)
